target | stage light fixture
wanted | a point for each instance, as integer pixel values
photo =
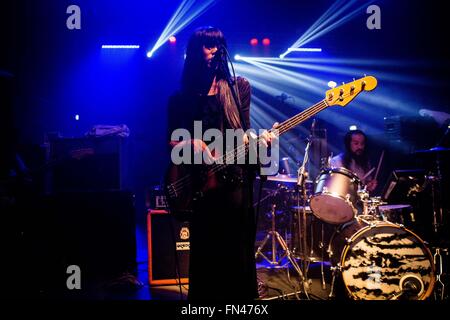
(335, 16)
(289, 50)
(186, 12)
(120, 46)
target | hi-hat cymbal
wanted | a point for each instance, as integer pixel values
(297, 208)
(282, 178)
(433, 150)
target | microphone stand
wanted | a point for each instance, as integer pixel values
(302, 175)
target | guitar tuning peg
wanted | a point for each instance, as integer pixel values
(343, 83)
(365, 75)
(354, 80)
(332, 84)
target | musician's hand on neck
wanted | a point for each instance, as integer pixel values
(267, 137)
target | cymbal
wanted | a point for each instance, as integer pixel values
(282, 178)
(433, 150)
(296, 208)
(394, 207)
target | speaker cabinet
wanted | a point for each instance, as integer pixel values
(168, 249)
(92, 230)
(88, 164)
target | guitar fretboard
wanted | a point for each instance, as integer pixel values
(283, 127)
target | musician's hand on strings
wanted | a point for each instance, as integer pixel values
(267, 137)
(372, 185)
(200, 146)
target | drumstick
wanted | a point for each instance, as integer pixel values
(368, 173)
(379, 165)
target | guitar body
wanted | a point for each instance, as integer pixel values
(185, 185)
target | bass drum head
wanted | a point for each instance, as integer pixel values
(379, 261)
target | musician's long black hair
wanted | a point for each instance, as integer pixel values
(197, 77)
(363, 160)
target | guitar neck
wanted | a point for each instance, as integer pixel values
(282, 128)
(300, 117)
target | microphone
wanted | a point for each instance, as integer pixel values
(221, 53)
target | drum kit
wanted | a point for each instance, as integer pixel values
(369, 244)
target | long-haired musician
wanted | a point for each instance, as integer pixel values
(222, 256)
(355, 158)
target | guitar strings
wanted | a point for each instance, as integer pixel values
(285, 126)
(282, 128)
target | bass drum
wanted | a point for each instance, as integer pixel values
(382, 261)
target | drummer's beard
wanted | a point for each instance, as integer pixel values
(360, 159)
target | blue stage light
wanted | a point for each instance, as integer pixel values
(289, 50)
(120, 46)
(186, 12)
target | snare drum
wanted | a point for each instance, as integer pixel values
(335, 196)
(382, 261)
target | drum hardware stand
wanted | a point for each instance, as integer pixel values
(276, 237)
(437, 208)
(335, 271)
(322, 272)
(439, 290)
(302, 175)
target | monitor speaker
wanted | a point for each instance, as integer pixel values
(168, 249)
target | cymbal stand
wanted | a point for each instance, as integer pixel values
(301, 183)
(440, 250)
(276, 237)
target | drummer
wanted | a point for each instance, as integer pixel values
(355, 158)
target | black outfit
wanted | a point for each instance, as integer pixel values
(222, 255)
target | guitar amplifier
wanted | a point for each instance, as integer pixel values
(88, 164)
(168, 249)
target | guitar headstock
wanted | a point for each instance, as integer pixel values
(347, 92)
